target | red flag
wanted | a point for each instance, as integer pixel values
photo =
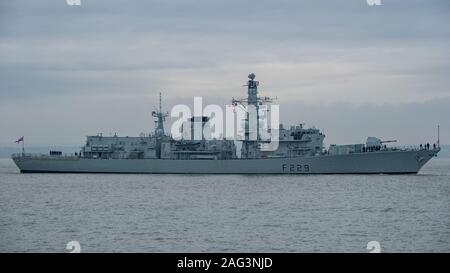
(19, 140)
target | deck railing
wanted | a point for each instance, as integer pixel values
(326, 152)
(44, 156)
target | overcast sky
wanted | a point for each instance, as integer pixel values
(348, 68)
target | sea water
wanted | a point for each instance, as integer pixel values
(225, 213)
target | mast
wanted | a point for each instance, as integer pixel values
(159, 128)
(160, 103)
(254, 102)
(160, 118)
(438, 141)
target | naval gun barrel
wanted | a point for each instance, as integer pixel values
(388, 141)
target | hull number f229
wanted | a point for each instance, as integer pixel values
(295, 168)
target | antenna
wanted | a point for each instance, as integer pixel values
(160, 103)
(438, 144)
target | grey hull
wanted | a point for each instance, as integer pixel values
(389, 162)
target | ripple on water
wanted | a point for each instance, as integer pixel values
(178, 213)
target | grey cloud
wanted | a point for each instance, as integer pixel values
(310, 52)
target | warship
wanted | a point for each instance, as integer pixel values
(299, 150)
